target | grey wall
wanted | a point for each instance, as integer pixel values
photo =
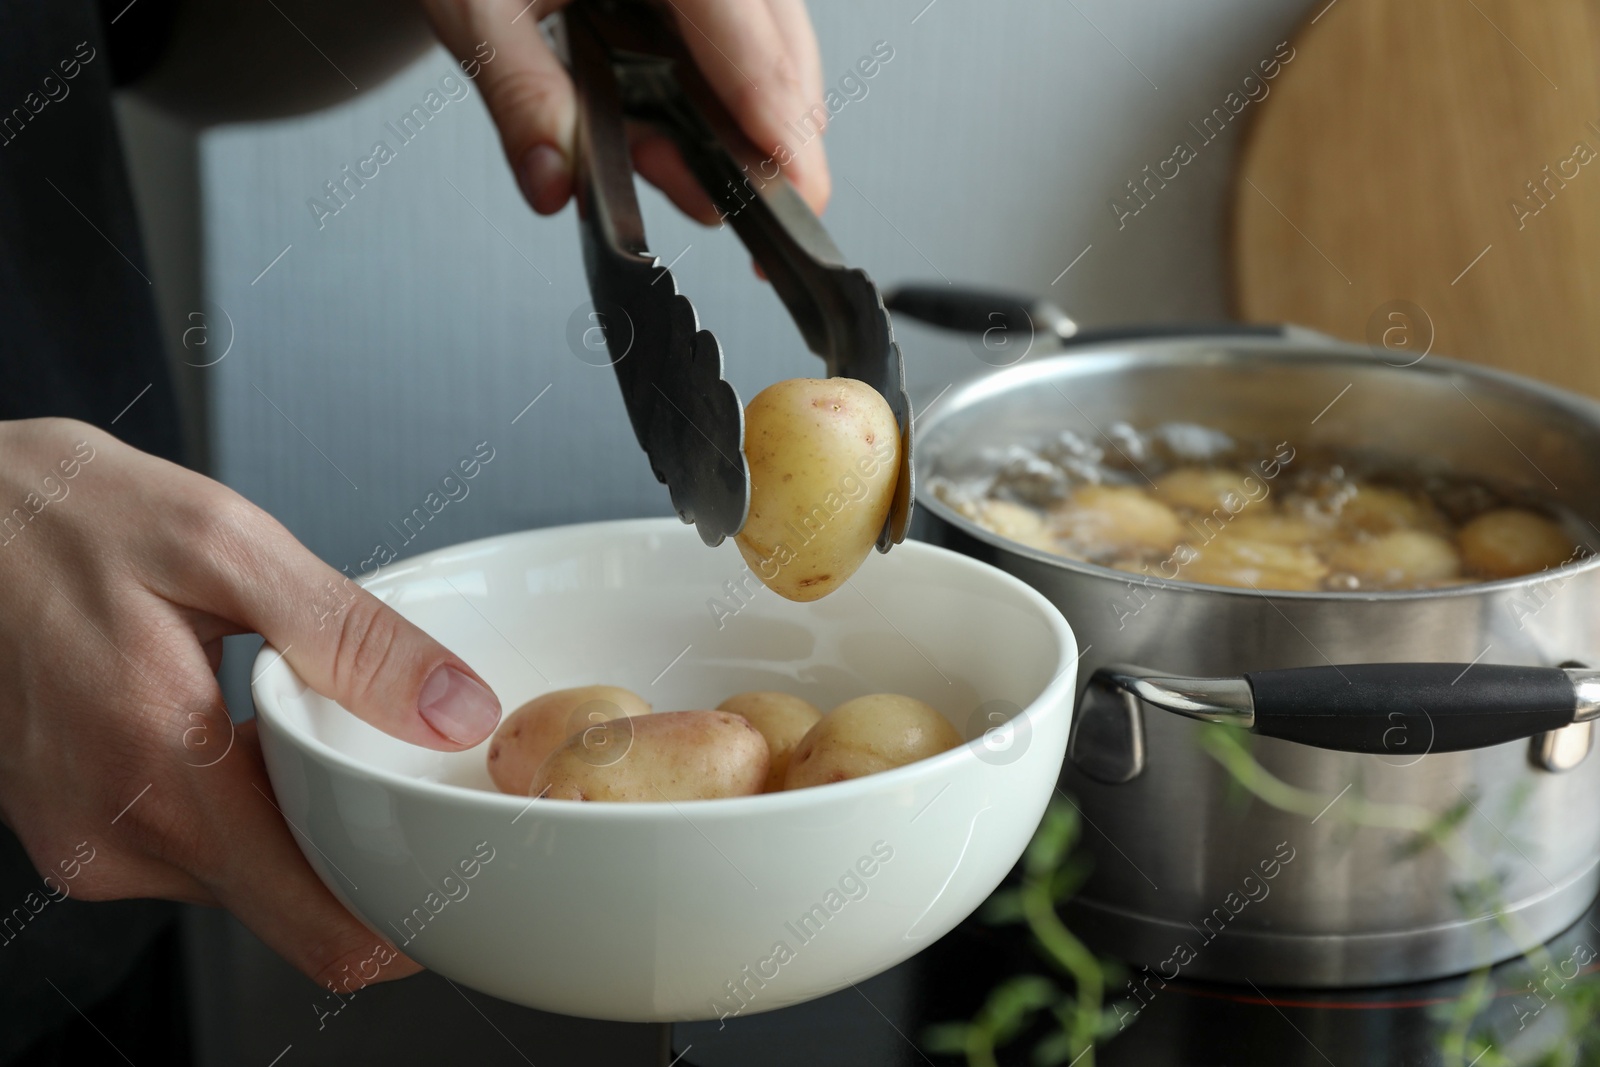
(428, 312)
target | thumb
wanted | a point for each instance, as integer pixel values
(349, 645)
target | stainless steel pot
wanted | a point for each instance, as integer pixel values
(1344, 825)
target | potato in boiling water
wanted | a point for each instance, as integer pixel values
(527, 736)
(1507, 542)
(1015, 522)
(1235, 561)
(1378, 509)
(1400, 559)
(1277, 529)
(671, 755)
(1205, 489)
(824, 458)
(1101, 519)
(867, 735)
(783, 720)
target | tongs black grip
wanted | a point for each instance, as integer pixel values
(627, 61)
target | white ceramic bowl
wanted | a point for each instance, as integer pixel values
(662, 911)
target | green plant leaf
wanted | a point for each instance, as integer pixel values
(1057, 833)
(1014, 1002)
(1069, 879)
(1053, 1050)
(946, 1039)
(1005, 906)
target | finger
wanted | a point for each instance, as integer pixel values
(814, 182)
(656, 158)
(794, 26)
(811, 161)
(209, 632)
(257, 871)
(343, 641)
(121, 874)
(744, 55)
(524, 85)
(164, 882)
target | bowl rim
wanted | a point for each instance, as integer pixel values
(1163, 351)
(1056, 698)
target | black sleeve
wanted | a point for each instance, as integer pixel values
(136, 33)
(79, 335)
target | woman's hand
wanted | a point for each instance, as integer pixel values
(759, 55)
(122, 573)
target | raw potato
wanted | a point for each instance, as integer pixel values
(1115, 518)
(527, 736)
(783, 720)
(1510, 541)
(1232, 560)
(867, 735)
(1375, 509)
(672, 755)
(824, 458)
(1206, 488)
(1400, 559)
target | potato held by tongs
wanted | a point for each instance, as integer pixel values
(627, 62)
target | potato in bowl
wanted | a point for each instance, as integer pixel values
(654, 911)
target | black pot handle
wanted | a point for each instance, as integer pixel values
(1412, 708)
(1397, 709)
(969, 310)
(1148, 330)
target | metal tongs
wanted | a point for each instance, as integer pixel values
(627, 61)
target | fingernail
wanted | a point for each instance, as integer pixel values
(544, 178)
(458, 707)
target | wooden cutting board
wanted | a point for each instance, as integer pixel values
(1425, 174)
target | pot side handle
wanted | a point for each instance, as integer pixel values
(1402, 709)
(1416, 708)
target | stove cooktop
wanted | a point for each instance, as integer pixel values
(988, 985)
